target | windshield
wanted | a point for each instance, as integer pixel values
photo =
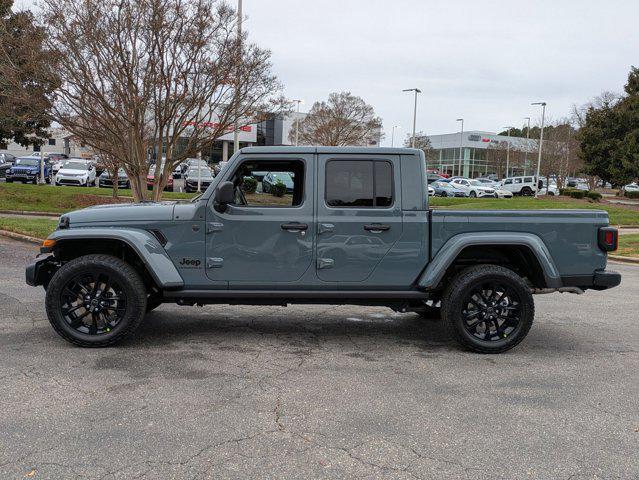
(28, 162)
(75, 166)
(475, 182)
(203, 172)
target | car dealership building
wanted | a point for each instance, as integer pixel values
(481, 153)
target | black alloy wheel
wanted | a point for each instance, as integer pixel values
(491, 311)
(93, 303)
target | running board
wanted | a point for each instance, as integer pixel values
(299, 294)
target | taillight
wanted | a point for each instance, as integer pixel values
(608, 239)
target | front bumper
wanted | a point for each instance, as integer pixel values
(40, 271)
(70, 180)
(24, 177)
(600, 280)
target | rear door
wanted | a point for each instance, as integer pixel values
(358, 214)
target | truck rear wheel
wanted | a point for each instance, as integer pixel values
(96, 300)
(488, 308)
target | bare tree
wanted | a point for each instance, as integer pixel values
(344, 119)
(155, 78)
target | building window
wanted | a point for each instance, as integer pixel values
(36, 148)
(52, 141)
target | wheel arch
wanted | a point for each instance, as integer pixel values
(137, 247)
(525, 253)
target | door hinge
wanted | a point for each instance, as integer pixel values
(214, 262)
(213, 227)
(325, 263)
(324, 227)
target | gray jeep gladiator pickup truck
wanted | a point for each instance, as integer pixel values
(333, 226)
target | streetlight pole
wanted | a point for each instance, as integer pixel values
(297, 122)
(527, 145)
(236, 130)
(461, 142)
(416, 90)
(541, 142)
(393, 135)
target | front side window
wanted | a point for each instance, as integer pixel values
(269, 183)
(357, 183)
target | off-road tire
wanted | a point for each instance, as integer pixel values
(127, 277)
(526, 191)
(456, 293)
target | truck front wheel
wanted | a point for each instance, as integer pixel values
(488, 308)
(95, 300)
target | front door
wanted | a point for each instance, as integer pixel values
(359, 215)
(266, 236)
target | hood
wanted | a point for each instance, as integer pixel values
(71, 171)
(120, 213)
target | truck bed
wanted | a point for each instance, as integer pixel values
(569, 235)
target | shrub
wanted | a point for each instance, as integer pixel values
(577, 193)
(249, 185)
(567, 190)
(279, 189)
(632, 194)
(594, 196)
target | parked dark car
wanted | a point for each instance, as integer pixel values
(271, 178)
(105, 179)
(6, 161)
(447, 189)
(204, 174)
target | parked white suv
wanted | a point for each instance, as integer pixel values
(76, 171)
(474, 188)
(520, 185)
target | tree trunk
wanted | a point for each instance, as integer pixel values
(138, 187)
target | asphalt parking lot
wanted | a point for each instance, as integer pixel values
(319, 392)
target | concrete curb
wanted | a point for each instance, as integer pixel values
(31, 214)
(21, 237)
(622, 259)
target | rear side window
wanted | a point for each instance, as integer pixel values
(528, 180)
(359, 183)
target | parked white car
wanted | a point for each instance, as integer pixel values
(488, 182)
(474, 188)
(631, 187)
(501, 193)
(520, 185)
(551, 190)
(76, 171)
(431, 191)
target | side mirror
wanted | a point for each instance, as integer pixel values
(224, 194)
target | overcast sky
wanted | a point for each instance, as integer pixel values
(485, 61)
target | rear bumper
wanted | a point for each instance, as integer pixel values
(600, 280)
